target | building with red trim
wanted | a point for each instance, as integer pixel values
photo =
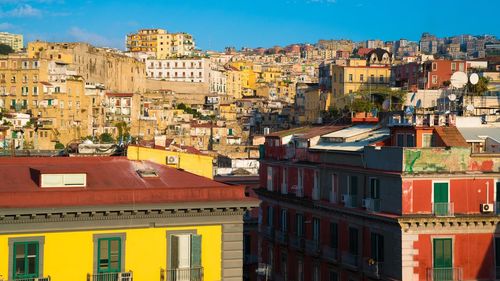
(406, 201)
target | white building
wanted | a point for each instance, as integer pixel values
(178, 70)
(15, 41)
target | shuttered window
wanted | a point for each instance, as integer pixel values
(26, 256)
(109, 255)
(185, 251)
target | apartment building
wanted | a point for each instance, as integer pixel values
(360, 75)
(15, 41)
(109, 218)
(367, 202)
(195, 70)
(160, 43)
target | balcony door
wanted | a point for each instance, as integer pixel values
(443, 259)
(185, 257)
(441, 198)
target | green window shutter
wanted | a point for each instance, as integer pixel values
(443, 255)
(174, 251)
(26, 260)
(109, 255)
(195, 251)
(441, 192)
(50, 102)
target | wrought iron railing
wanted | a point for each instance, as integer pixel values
(312, 247)
(373, 267)
(444, 274)
(372, 205)
(330, 254)
(443, 209)
(110, 276)
(30, 279)
(297, 242)
(185, 274)
(350, 259)
(350, 201)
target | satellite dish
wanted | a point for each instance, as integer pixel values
(474, 78)
(470, 107)
(386, 104)
(452, 97)
(458, 79)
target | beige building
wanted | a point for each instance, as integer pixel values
(161, 44)
(116, 71)
(15, 41)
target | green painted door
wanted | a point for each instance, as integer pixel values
(441, 199)
(443, 259)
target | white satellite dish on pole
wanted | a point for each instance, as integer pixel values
(452, 97)
(474, 78)
(470, 107)
(458, 79)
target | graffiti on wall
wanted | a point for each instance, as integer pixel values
(421, 160)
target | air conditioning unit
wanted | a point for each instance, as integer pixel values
(125, 276)
(172, 159)
(486, 208)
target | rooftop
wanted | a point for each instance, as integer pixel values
(109, 181)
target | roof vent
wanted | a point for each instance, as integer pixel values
(147, 173)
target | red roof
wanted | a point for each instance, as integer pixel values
(110, 181)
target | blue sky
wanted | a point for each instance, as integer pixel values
(252, 23)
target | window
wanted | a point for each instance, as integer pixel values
(315, 272)
(426, 140)
(353, 241)
(350, 77)
(377, 247)
(461, 67)
(381, 79)
(284, 184)
(361, 77)
(316, 229)
(375, 188)
(434, 66)
(334, 189)
(284, 220)
(300, 183)
(372, 78)
(270, 216)
(270, 178)
(284, 265)
(453, 66)
(26, 259)
(35, 90)
(109, 255)
(299, 220)
(434, 79)
(443, 254)
(63, 180)
(410, 140)
(334, 235)
(184, 255)
(400, 140)
(441, 198)
(316, 191)
(333, 276)
(300, 270)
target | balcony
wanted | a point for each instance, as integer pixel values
(296, 242)
(371, 205)
(184, 274)
(444, 274)
(443, 209)
(373, 268)
(315, 193)
(330, 254)
(281, 237)
(32, 279)
(333, 197)
(350, 201)
(268, 232)
(312, 247)
(497, 208)
(350, 259)
(111, 276)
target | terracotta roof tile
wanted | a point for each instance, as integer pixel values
(451, 136)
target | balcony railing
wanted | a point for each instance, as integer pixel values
(443, 209)
(333, 197)
(30, 279)
(330, 254)
(350, 259)
(350, 201)
(444, 274)
(111, 276)
(315, 193)
(372, 205)
(184, 274)
(281, 237)
(373, 268)
(312, 247)
(296, 242)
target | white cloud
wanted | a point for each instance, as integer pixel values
(6, 25)
(23, 10)
(82, 35)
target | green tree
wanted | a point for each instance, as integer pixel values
(361, 105)
(123, 130)
(480, 88)
(106, 138)
(59, 145)
(5, 49)
(181, 106)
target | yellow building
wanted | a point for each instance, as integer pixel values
(15, 41)
(356, 75)
(198, 164)
(241, 79)
(160, 43)
(108, 218)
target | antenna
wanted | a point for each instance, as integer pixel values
(458, 79)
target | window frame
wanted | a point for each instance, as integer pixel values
(98, 237)
(40, 254)
(169, 235)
